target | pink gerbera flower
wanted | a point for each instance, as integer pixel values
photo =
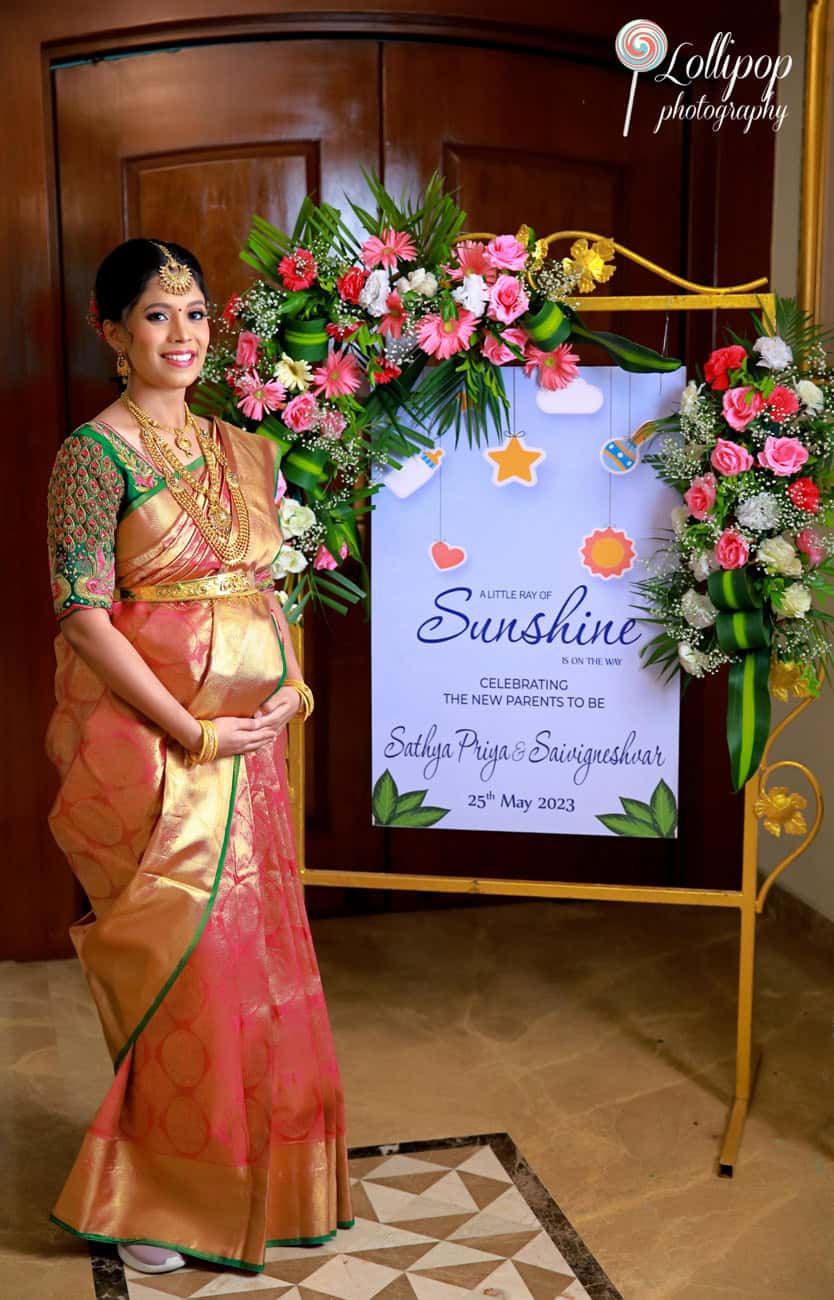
(388, 248)
(338, 376)
(257, 396)
(472, 259)
(556, 369)
(394, 318)
(443, 338)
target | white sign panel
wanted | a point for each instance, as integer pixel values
(508, 692)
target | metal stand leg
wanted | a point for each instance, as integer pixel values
(746, 1065)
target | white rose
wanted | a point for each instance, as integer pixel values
(778, 555)
(691, 660)
(809, 395)
(759, 512)
(795, 601)
(689, 398)
(294, 519)
(698, 610)
(679, 516)
(472, 293)
(288, 560)
(375, 292)
(702, 564)
(774, 352)
(418, 281)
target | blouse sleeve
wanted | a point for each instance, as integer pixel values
(85, 493)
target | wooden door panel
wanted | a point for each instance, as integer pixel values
(192, 143)
(543, 144)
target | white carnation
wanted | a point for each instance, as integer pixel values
(375, 291)
(759, 512)
(689, 398)
(698, 610)
(811, 397)
(288, 560)
(472, 293)
(691, 660)
(295, 519)
(702, 564)
(418, 281)
(679, 516)
(795, 601)
(778, 555)
(774, 352)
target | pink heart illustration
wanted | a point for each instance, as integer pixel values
(446, 557)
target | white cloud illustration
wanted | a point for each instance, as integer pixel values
(579, 398)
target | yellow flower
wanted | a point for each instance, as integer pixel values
(589, 261)
(787, 678)
(293, 374)
(781, 810)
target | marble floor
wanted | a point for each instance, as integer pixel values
(600, 1037)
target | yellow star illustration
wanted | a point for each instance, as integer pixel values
(515, 461)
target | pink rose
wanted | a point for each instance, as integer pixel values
(324, 560)
(731, 550)
(741, 405)
(300, 414)
(497, 352)
(700, 497)
(507, 299)
(729, 458)
(280, 487)
(506, 253)
(247, 349)
(808, 543)
(784, 456)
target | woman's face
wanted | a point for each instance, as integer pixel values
(165, 336)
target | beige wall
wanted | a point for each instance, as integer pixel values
(809, 739)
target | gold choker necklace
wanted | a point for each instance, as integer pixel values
(142, 417)
(201, 503)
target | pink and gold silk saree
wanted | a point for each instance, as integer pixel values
(223, 1131)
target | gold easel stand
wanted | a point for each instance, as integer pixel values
(745, 900)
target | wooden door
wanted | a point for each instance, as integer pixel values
(186, 145)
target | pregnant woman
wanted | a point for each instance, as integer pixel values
(223, 1131)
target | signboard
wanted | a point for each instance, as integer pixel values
(508, 692)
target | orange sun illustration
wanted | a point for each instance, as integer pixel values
(608, 553)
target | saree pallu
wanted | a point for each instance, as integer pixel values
(223, 1131)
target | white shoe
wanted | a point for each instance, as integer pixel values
(150, 1259)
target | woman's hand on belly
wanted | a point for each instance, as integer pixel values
(279, 709)
(243, 735)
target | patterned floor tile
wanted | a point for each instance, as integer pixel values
(434, 1221)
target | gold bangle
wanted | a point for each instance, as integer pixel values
(208, 746)
(306, 696)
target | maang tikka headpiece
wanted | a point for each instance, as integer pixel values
(176, 277)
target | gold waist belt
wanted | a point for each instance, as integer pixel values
(216, 585)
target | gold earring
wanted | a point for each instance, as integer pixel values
(123, 367)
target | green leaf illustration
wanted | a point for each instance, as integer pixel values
(665, 810)
(622, 825)
(411, 799)
(637, 810)
(384, 799)
(418, 816)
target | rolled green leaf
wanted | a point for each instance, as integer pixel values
(306, 340)
(547, 327)
(748, 714)
(628, 356)
(733, 589)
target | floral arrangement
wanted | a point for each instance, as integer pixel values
(749, 564)
(353, 352)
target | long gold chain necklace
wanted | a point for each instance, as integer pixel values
(180, 436)
(202, 504)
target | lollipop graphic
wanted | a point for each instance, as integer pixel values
(640, 45)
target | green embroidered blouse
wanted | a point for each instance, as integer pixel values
(96, 480)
